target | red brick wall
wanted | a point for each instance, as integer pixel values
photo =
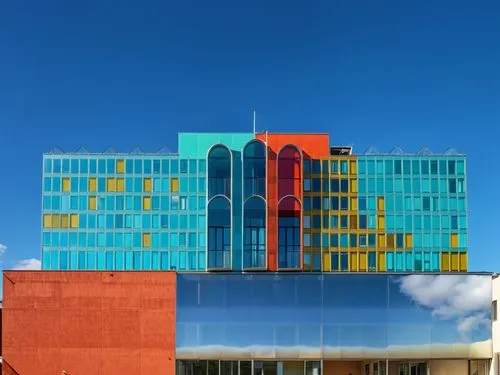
(99, 323)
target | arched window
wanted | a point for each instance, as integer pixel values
(289, 173)
(219, 171)
(254, 169)
(219, 233)
(254, 236)
(289, 212)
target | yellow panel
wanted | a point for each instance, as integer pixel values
(380, 204)
(454, 262)
(56, 221)
(120, 186)
(111, 184)
(381, 262)
(66, 184)
(146, 240)
(174, 185)
(326, 262)
(445, 262)
(352, 167)
(381, 222)
(120, 166)
(354, 186)
(463, 262)
(454, 240)
(146, 203)
(74, 221)
(147, 184)
(92, 203)
(92, 184)
(353, 261)
(408, 240)
(353, 222)
(354, 204)
(390, 241)
(381, 241)
(64, 221)
(362, 261)
(47, 221)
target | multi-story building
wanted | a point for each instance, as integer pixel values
(281, 255)
(245, 202)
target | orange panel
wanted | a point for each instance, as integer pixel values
(311, 146)
(119, 322)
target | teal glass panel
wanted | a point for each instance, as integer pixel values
(91, 263)
(82, 260)
(390, 261)
(100, 260)
(146, 260)
(63, 261)
(73, 260)
(137, 260)
(129, 260)
(164, 261)
(155, 261)
(119, 260)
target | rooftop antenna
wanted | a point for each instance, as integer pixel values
(254, 112)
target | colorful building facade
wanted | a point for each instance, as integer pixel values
(255, 202)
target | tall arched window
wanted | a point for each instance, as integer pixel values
(289, 212)
(254, 169)
(289, 173)
(254, 236)
(219, 171)
(219, 233)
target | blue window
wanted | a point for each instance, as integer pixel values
(344, 185)
(307, 203)
(316, 166)
(344, 203)
(254, 169)
(362, 222)
(371, 240)
(335, 261)
(219, 232)
(289, 233)
(334, 221)
(344, 240)
(46, 184)
(219, 171)
(353, 240)
(334, 185)
(343, 167)
(334, 240)
(307, 166)
(372, 263)
(344, 221)
(362, 203)
(334, 203)
(344, 261)
(334, 166)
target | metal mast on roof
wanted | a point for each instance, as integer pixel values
(254, 112)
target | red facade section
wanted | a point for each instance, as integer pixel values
(289, 173)
(88, 322)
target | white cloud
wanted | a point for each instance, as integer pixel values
(466, 298)
(28, 264)
(3, 248)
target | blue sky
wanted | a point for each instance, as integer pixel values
(117, 74)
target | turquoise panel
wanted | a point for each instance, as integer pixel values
(196, 145)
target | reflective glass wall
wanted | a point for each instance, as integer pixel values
(333, 316)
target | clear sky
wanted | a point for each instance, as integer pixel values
(117, 74)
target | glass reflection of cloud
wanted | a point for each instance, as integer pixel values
(330, 316)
